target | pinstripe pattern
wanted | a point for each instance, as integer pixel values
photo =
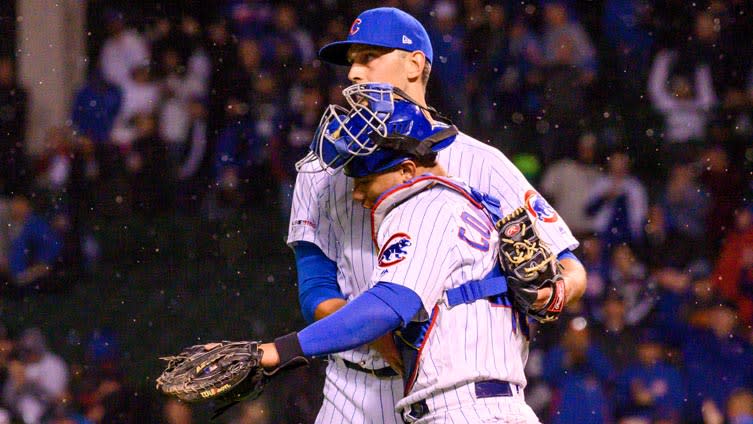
(350, 397)
(324, 213)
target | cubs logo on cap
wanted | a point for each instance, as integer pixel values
(387, 27)
(395, 250)
(538, 207)
(354, 27)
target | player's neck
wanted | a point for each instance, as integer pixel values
(417, 93)
(436, 170)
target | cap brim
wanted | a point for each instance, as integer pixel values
(337, 53)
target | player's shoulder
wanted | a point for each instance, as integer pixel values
(429, 215)
(312, 177)
(465, 142)
(444, 194)
(310, 167)
(471, 150)
(425, 197)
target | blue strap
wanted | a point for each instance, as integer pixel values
(490, 203)
(493, 284)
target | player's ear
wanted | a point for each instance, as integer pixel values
(408, 170)
(415, 63)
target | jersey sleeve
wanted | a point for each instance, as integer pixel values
(415, 250)
(309, 220)
(513, 190)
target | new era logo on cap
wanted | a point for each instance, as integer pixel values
(407, 40)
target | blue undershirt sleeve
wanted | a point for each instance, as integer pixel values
(317, 278)
(369, 316)
(567, 254)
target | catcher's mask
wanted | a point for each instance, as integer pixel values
(383, 127)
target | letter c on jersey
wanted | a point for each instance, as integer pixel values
(479, 228)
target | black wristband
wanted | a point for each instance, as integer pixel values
(290, 352)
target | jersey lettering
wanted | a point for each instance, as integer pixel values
(483, 233)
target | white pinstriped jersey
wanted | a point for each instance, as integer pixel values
(325, 214)
(433, 238)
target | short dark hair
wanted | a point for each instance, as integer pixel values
(426, 161)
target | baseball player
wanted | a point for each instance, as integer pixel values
(331, 233)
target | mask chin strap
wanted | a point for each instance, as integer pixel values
(433, 112)
(413, 146)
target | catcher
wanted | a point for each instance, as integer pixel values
(454, 282)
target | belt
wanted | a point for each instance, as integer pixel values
(386, 372)
(483, 389)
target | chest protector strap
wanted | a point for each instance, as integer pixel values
(494, 284)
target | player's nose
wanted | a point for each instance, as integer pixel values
(357, 73)
(359, 196)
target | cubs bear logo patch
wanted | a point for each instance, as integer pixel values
(395, 250)
(538, 207)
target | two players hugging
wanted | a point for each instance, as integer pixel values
(384, 133)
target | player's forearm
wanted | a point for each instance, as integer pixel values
(574, 276)
(575, 280)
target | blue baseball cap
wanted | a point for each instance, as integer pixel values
(382, 27)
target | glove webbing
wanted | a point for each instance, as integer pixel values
(525, 249)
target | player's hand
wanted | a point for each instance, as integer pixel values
(542, 297)
(386, 347)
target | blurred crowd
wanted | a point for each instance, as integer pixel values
(633, 117)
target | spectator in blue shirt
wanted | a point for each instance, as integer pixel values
(235, 153)
(578, 371)
(447, 39)
(35, 249)
(650, 388)
(612, 331)
(292, 143)
(717, 360)
(618, 203)
(95, 107)
(248, 18)
(630, 40)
